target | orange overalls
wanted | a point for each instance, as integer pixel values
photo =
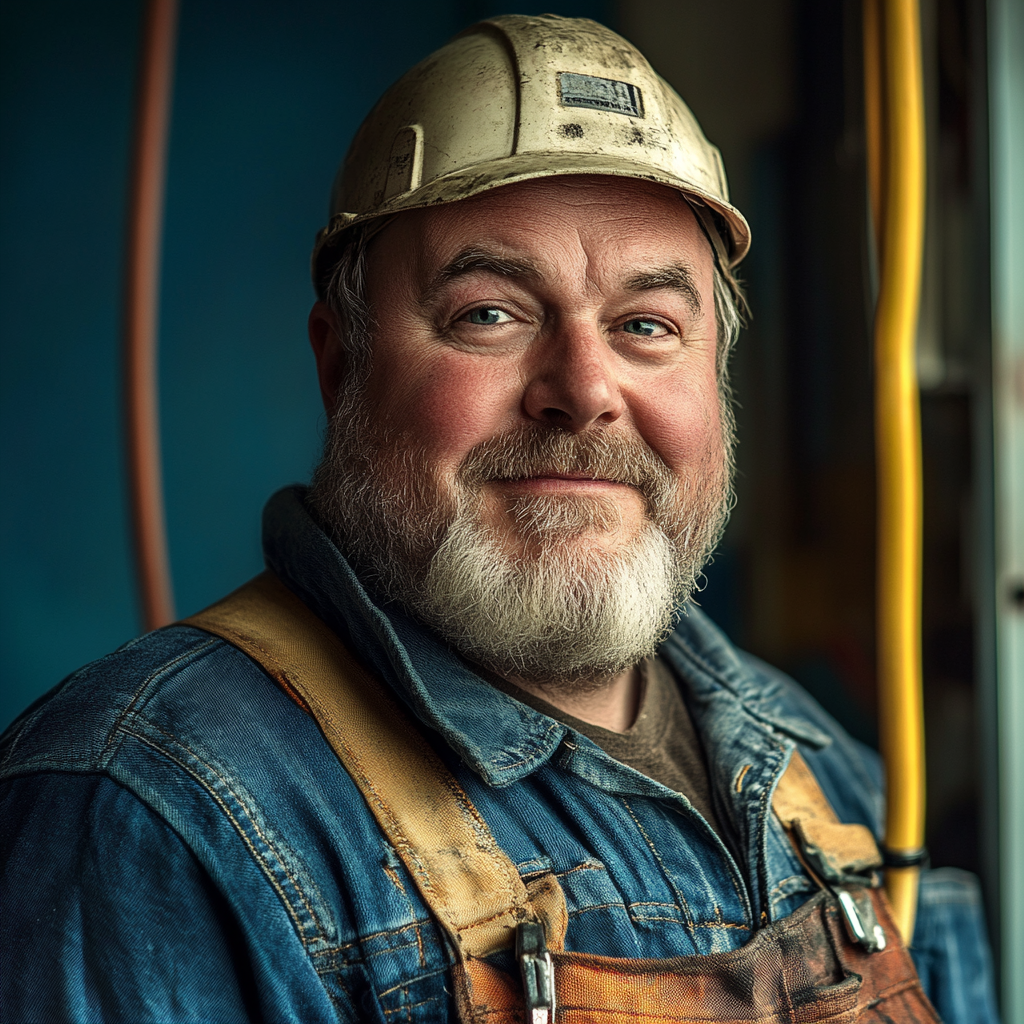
(838, 958)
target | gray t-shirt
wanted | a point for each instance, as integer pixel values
(662, 743)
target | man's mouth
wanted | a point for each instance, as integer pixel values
(558, 480)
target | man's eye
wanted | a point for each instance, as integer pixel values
(486, 316)
(645, 328)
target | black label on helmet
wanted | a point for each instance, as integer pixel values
(600, 94)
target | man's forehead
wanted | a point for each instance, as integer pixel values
(533, 230)
(636, 276)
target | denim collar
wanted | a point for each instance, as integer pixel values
(500, 738)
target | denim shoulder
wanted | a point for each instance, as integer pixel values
(178, 800)
(74, 726)
(172, 677)
(180, 718)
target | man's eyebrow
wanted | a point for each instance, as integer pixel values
(473, 260)
(677, 276)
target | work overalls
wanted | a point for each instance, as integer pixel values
(838, 958)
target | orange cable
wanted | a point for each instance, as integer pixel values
(141, 306)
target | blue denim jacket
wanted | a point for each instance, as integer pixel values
(179, 843)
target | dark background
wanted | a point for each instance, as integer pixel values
(267, 96)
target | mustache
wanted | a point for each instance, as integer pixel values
(532, 451)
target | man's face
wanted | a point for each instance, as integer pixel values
(543, 368)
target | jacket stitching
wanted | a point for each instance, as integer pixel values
(411, 1006)
(653, 903)
(528, 754)
(107, 752)
(763, 816)
(627, 907)
(738, 886)
(397, 881)
(369, 938)
(251, 819)
(586, 866)
(406, 983)
(680, 898)
(301, 926)
(362, 956)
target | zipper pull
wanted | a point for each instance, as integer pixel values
(537, 971)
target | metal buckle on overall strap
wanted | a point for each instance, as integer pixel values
(861, 922)
(841, 858)
(537, 971)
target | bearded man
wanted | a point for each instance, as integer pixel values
(466, 750)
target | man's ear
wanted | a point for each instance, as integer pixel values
(325, 338)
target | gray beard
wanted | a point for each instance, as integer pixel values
(558, 611)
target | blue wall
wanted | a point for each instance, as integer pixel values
(267, 96)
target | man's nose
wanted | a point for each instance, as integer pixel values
(573, 382)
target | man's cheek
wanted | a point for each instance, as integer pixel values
(454, 407)
(684, 431)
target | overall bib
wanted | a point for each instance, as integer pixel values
(838, 958)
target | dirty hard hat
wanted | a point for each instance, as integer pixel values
(519, 97)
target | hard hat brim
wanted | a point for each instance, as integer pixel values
(479, 178)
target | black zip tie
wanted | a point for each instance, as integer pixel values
(919, 858)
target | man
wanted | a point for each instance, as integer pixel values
(467, 752)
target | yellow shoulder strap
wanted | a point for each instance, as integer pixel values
(470, 885)
(835, 851)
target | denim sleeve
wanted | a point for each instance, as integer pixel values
(108, 916)
(951, 949)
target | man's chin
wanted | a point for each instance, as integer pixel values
(573, 612)
(531, 526)
(575, 544)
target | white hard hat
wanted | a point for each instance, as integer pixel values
(520, 97)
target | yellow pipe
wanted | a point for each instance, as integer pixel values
(898, 448)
